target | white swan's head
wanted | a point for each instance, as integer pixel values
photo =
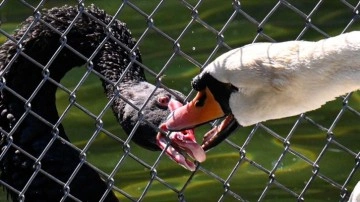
(211, 102)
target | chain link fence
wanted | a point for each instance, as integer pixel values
(312, 157)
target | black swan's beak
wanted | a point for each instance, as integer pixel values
(182, 144)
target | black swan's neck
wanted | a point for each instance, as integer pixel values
(35, 89)
(86, 35)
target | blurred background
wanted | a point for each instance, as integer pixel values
(255, 163)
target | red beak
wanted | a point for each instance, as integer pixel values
(182, 142)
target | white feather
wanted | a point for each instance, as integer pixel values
(355, 195)
(277, 80)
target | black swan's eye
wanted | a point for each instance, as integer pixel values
(163, 101)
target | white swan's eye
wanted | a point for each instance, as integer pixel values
(163, 101)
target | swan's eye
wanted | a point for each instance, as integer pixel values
(163, 101)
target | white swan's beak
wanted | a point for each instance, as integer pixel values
(202, 109)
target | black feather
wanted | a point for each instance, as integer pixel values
(20, 125)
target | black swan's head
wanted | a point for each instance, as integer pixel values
(30, 73)
(153, 104)
(139, 106)
(145, 112)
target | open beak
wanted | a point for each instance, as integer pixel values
(219, 132)
(202, 109)
(180, 145)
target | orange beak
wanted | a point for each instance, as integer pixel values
(202, 109)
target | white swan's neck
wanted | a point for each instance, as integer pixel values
(277, 80)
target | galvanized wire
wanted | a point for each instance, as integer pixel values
(261, 33)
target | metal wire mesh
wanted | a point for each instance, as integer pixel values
(305, 20)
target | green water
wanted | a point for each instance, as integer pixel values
(247, 181)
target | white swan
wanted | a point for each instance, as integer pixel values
(264, 81)
(355, 195)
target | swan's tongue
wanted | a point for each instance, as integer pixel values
(181, 143)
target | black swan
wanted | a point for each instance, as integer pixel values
(28, 77)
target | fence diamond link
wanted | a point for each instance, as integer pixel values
(306, 20)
